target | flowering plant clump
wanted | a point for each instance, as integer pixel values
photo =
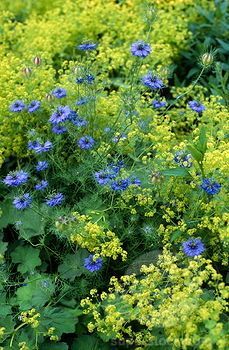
(113, 178)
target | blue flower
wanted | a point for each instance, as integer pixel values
(102, 177)
(55, 200)
(196, 106)
(17, 106)
(82, 101)
(183, 158)
(135, 181)
(42, 165)
(80, 80)
(80, 122)
(60, 115)
(16, 178)
(210, 186)
(58, 129)
(59, 92)
(140, 49)
(152, 81)
(89, 46)
(119, 137)
(86, 142)
(22, 202)
(93, 265)
(43, 184)
(158, 104)
(89, 78)
(193, 247)
(47, 146)
(120, 185)
(34, 106)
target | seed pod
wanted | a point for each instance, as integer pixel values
(49, 97)
(207, 59)
(27, 71)
(37, 61)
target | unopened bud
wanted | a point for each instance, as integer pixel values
(156, 177)
(37, 61)
(27, 71)
(207, 59)
(49, 97)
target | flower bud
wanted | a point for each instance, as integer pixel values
(156, 177)
(207, 59)
(27, 71)
(37, 61)
(49, 97)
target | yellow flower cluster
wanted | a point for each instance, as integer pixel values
(30, 317)
(92, 236)
(51, 335)
(169, 296)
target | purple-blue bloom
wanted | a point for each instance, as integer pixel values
(102, 177)
(93, 265)
(86, 142)
(17, 106)
(80, 122)
(55, 200)
(42, 165)
(183, 159)
(196, 106)
(135, 181)
(22, 202)
(39, 148)
(82, 101)
(16, 178)
(59, 92)
(80, 80)
(59, 129)
(60, 115)
(193, 247)
(42, 185)
(210, 186)
(140, 49)
(158, 104)
(120, 185)
(34, 106)
(152, 81)
(89, 46)
(89, 79)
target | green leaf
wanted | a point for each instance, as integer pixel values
(27, 257)
(53, 346)
(32, 224)
(202, 144)
(175, 235)
(9, 214)
(62, 319)
(89, 342)
(182, 172)
(197, 155)
(72, 265)
(35, 293)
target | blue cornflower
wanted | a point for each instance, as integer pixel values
(60, 115)
(80, 80)
(193, 247)
(42, 185)
(22, 202)
(72, 115)
(80, 122)
(152, 81)
(158, 104)
(38, 148)
(183, 158)
(196, 106)
(120, 185)
(59, 129)
(140, 49)
(102, 177)
(107, 130)
(55, 200)
(93, 265)
(16, 178)
(59, 92)
(17, 106)
(89, 46)
(210, 186)
(34, 106)
(86, 142)
(89, 79)
(42, 165)
(119, 137)
(82, 101)
(135, 181)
